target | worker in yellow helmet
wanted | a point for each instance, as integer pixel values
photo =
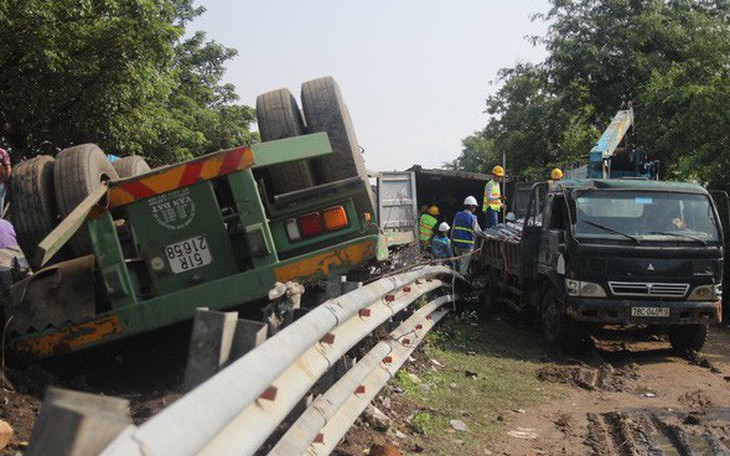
(556, 174)
(492, 203)
(426, 223)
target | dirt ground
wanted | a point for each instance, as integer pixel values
(632, 398)
(625, 399)
(145, 371)
(622, 399)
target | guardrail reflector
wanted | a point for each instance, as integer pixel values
(269, 394)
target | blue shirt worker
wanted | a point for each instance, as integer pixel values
(463, 236)
(440, 244)
(492, 204)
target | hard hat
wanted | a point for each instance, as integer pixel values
(433, 210)
(444, 227)
(556, 174)
(498, 171)
(470, 201)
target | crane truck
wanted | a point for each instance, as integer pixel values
(614, 249)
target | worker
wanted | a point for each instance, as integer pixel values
(492, 204)
(4, 176)
(556, 174)
(440, 244)
(426, 223)
(463, 236)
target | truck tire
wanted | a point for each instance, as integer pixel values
(133, 165)
(278, 117)
(688, 338)
(78, 171)
(325, 111)
(556, 326)
(34, 213)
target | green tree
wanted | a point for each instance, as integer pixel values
(671, 58)
(117, 73)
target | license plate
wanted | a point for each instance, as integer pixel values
(189, 254)
(650, 311)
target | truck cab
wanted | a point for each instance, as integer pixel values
(627, 252)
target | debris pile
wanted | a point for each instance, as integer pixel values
(511, 229)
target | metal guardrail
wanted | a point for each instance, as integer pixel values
(238, 409)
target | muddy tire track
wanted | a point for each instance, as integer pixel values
(649, 433)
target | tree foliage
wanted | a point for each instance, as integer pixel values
(115, 72)
(670, 58)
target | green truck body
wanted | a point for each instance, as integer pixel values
(204, 233)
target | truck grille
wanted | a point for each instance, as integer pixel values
(657, 290)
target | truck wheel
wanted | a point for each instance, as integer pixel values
(688, 338)
(78, 171)
(325, 111)
(556, 326)
(133, 165)
(34, 213)
(278, 117)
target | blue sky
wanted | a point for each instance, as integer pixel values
(415, 74)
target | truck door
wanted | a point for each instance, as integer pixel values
(722, 202)
(532, 231)
(397, 207)
(555, 222)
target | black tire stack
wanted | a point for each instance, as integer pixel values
(34, 213)
(42, 191)
(324, 111)
(134, 165)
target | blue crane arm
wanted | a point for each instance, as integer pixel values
(607, 144)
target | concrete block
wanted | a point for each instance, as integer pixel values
(77, 424)
(210, 345)
(249, 335)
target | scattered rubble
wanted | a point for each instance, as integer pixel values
(377, 419)
(459, 425)
(6, 432)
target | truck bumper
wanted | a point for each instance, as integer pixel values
(612, 311)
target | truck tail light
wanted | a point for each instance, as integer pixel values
(335, 218)
(310, 224)
(292, 230)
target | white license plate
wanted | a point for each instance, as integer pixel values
(189, 254)
(650, 311)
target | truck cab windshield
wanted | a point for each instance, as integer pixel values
(645, 216)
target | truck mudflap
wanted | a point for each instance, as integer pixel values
(52, 297)
(628, 312)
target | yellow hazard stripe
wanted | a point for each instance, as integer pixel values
(181, 175)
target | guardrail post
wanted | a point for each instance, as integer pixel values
(334, 286)
(210, 345)
(77, 424)
(249, 335)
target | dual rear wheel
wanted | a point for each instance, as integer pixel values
(324, 110)
(42, 191)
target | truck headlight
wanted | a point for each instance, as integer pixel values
(706, 293)
(584, 289)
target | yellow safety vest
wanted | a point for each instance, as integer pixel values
(425, 227)
(492, 191)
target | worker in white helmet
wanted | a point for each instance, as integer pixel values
(440, 243)
(466, 229)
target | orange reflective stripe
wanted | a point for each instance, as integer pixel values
(181, 175)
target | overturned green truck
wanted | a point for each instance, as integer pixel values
(217, 231)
